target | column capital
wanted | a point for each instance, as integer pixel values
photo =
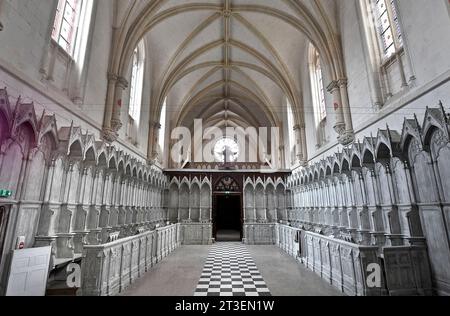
(155, 125)
(343, 82)
(122, 83)
(112, 77)
(332, 86)
(299, 127)
(109, 135)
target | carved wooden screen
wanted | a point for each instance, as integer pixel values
(227, 184)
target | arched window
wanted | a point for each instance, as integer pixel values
(387, 26)
(318, 90)
(226, 150)
(318, 95)
(386, 51)
(291, 125)
(162, 123)
(136, 83)
(71, 26)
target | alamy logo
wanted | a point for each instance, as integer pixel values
(251, 145)
(73, 275)
(374, 276)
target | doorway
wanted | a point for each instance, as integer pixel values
(228, 217)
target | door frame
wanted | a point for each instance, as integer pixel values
(214, 210)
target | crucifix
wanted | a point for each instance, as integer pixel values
(227, 155)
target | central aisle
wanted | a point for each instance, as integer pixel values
(230, 269)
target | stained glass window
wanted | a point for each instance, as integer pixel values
(162, 122)
(291, 124)
(133, 88)
(136, 82)
(65, 28)
(318, 89)
(388, 26)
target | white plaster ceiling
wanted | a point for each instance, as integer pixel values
(226, 60)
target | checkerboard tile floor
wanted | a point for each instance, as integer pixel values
(230, 271)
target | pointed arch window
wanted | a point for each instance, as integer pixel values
(388, 26)
(291, 126)
(71, 25)
(136, 83)
(318, 89)
(318, 95)
(162, 123)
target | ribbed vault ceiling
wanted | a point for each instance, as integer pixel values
(226, 61)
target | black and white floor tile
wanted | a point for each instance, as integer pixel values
(230, 271)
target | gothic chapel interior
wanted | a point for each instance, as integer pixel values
(240, 147)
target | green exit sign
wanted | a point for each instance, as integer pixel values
(5, 193)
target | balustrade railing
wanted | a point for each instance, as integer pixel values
(110, 268)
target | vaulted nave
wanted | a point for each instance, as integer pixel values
(224, 148)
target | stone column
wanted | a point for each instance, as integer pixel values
(339, 126)
(343, 225)
(84, 172)
(327, 202)
(154, 130)
(343, 125)
(68, 182)
(363, 216)
(49, 183)
(302, 144)
(378, 233)
(189, 205)
(265, 206)
(352, 213)
(282, 157)
(349, 136)
(410, 215)
(254, 207)
(210, 207)
(298, 148)
(112, 122)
